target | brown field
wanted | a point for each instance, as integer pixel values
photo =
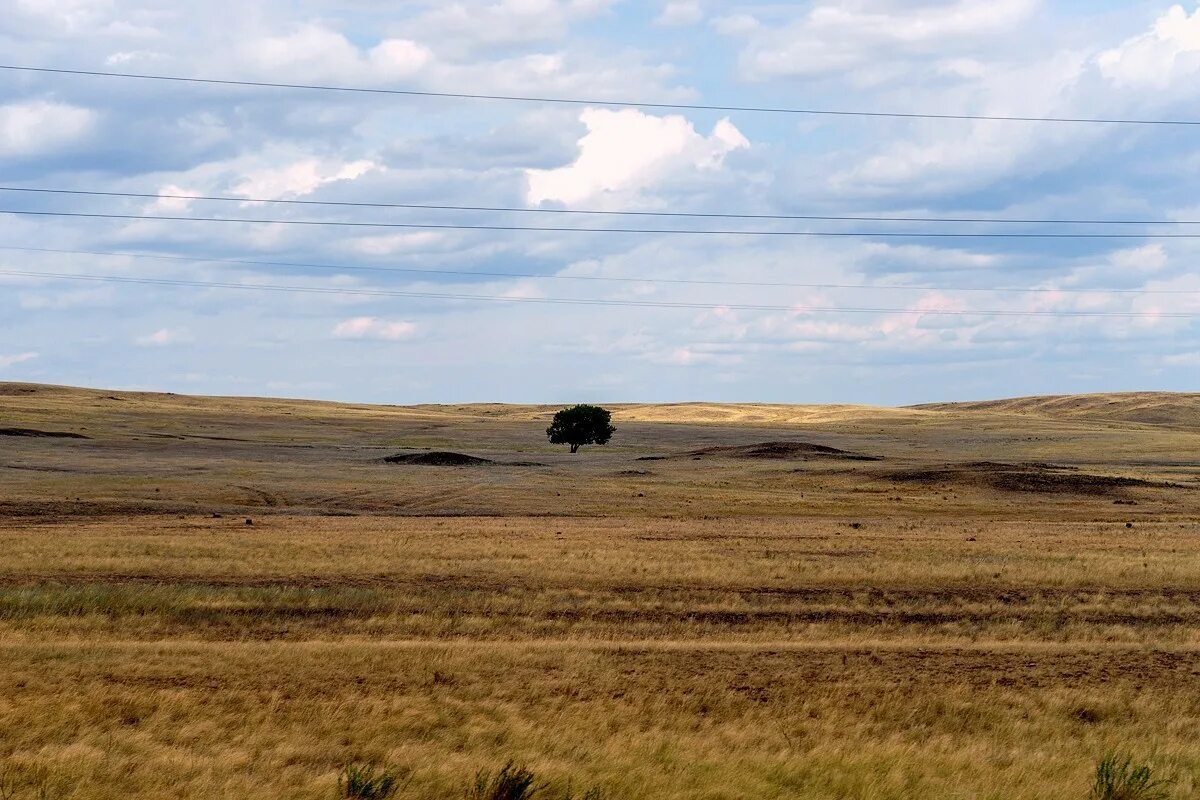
(974, 600)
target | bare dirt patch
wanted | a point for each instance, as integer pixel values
(33, 433)
(438, 459)
(1030, 477)
(780, 450)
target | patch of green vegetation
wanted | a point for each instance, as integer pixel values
(1117, 778)
(368, 782)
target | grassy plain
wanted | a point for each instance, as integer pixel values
(968, 601)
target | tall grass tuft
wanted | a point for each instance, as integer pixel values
(1118, 779)
(365, 782)
(14, 781)
(510, 783)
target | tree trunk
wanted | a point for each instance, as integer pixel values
(574, 448)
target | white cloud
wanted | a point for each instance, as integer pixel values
(1066, 83)
(951, 156)
(1159, 57)
(923, 258)
(38, 127)
(396, 242)
(1147, 258)
(161, 338)
(125, 57)
(311, 51)
(680, 12)
(467, 25)
(736, 24)
(1182, 360)
(67, 14)
(962, 68)
(374, 328)
(19, 358)
(627, 151)
(691, 355)
(292, 144)
(569, 72)
(170, 205)
(299, 178)
(398, 58)
(838, 36)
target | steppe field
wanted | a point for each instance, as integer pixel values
(239, 598)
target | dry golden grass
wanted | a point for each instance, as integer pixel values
(506, 579)
(269, 720)
(701, 625)
(1177, 410)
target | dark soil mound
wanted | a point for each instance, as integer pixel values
(438, 459)
(1029, 477)
(1067, 484)
(40, 434)
(780, 450)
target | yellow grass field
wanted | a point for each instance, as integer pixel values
(236, 598)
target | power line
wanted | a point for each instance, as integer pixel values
(516, 209)
(549, 228)
(600, 301)
(603, 278)
(584, 102)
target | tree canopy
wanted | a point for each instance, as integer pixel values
(580, 425)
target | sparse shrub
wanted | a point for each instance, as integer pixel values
(1118, 779)
(518, 783)
(366, 782)
(510, 783)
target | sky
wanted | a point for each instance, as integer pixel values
(856, 319)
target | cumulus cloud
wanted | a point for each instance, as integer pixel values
(127, 57)
(736, 24)
(1150, 71)
(313, 51)
(1147, 258)
(67, 14)
(680, 12)
(626, 152)
(374, 328)
(468, 25)
(172, 200)
(398, 58)
(834, 37)
(940, 55)
(951, 157)
(299, 178)
(18, 358)
(1169, 51)
(38, 127)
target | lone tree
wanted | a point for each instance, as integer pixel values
(580, 425)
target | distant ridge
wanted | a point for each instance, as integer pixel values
(1165, 409)
(1175, 410)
